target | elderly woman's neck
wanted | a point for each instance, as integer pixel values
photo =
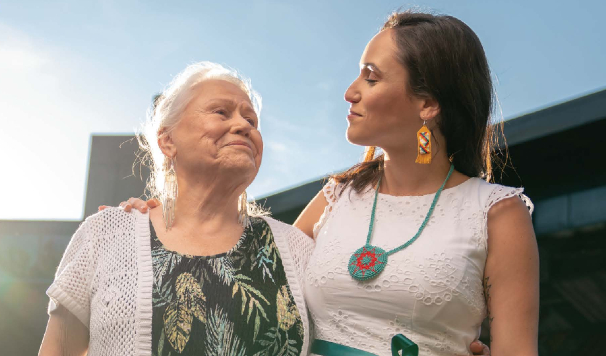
(208, 203)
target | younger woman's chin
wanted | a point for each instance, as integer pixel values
(356, 138)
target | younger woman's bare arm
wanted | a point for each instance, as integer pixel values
(511, 280)
(311, 214)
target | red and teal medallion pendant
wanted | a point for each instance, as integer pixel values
(367, 262)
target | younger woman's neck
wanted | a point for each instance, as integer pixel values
(402, 176)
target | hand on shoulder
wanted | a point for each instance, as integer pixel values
(136, 203)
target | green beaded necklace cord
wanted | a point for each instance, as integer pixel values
(427, 217)
(369, 261)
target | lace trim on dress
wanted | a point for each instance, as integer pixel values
(501, 193)
(330, 194)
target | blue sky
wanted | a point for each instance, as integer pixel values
(72, 68)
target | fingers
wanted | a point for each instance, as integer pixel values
(136, 203)
(478, 348)
(152, 203)
(126, 206)
(102, 207)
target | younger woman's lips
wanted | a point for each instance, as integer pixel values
(352, 115)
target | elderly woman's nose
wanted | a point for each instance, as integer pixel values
(241, 125)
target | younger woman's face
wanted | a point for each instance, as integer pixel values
(383, 112)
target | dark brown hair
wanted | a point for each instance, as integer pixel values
(445, 61)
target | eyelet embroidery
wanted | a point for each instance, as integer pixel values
(442, 271)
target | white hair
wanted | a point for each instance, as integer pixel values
(167, 110)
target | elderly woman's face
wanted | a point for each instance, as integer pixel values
(219, 132)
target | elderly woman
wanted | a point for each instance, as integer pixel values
(201, 276)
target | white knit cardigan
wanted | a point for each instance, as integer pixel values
(105, 279)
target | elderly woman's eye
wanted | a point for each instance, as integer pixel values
(220, 112)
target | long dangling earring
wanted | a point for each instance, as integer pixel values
(170, 192)
(243, 210)
(424, 145)
(370, 153)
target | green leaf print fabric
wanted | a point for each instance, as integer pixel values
(236, 303)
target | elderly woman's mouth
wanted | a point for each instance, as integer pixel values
(240, 143)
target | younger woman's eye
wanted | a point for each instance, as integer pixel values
(371, 78)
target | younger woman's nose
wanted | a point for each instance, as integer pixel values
(352, 95)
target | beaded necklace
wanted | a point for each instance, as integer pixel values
(369, 261)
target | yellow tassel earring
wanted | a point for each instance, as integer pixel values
(424, 144)
(370, 153)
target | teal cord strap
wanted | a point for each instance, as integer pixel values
(369, 261)
(427, 217)
(398, 343)
(402, 343)
(327, 348)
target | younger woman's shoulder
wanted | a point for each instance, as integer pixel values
(492, 194)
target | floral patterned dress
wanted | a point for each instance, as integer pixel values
(235, 303)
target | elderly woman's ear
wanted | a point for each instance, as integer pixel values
(166, 144)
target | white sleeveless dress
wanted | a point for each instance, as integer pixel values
(431, 292)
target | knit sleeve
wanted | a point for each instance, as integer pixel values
(331, 196)
(295, 250)
(301, 247)
(71, 287)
